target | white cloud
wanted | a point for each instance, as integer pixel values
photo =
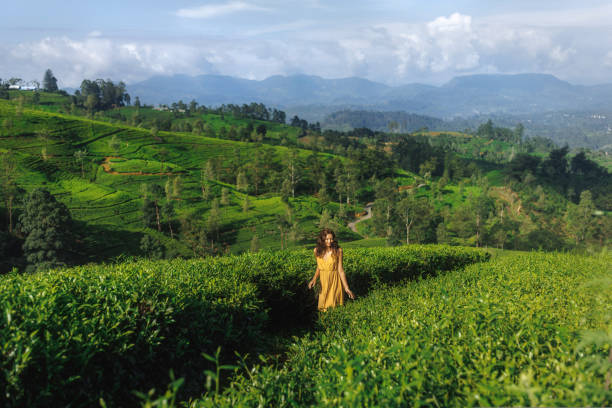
(95, 57)
(561, 17)
(215, 10)
(393, 53)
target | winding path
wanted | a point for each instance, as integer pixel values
(353, 224)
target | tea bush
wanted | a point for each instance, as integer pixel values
(100, 331)
(70, 337)
(503, 333)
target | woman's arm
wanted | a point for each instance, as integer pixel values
(343, 275)
(314, 279)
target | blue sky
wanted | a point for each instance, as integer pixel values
(394, 42)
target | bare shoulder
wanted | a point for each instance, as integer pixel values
(340, 251)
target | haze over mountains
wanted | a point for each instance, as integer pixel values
(577, 115)
(462, 96)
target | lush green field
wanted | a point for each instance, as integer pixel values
(525, 329)
(105, 192)
(101, 331)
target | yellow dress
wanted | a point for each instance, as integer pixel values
(331, 286)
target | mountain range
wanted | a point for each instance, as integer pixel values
(315, 96)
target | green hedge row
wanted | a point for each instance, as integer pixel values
(73, 336)
(70, 337)
(528, 329)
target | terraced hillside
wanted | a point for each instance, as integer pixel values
(104, 187)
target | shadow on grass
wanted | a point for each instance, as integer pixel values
(98, 243)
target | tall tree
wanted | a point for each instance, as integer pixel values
(79, 156)
(213, 221)
(294, 169)
(10, 190)
(580, 219)
(242, 183)
(47, 225)
(411, 211)
(49, 82)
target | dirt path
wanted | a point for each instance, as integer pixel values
(107, 168)
(353, 224)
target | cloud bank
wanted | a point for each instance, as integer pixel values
(393, 53)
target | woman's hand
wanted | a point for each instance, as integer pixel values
(349, 293)
(312, 283)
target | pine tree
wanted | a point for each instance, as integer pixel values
(49, 82)
(48, 226)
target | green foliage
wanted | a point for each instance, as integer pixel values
(49, 82)
(151, 247)
(101, 331)
(492, 334)
(47, 225)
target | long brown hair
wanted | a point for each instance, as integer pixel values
(322, 248)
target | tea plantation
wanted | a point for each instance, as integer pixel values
(526, 329)
(72, 337)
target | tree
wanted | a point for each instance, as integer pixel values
(283, 222)
(154, 132)
(384, 206)
(580, 219)
(325, 221)
(225, 199)
(114, 144)
(91, 102)
(47, 226)
(151, 207)
(163, 155)
(214, 219)
(10, 190)
(49, 82)
(137, 103)
(262, 130)
(79, 156)
(413, 210)
(246, 204)
(242, 183)
(151, 247)
(194, 235)
(168, 213)
(293, 165)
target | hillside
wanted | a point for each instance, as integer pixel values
(188, 181)
(105, 190)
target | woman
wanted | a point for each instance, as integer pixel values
(331, 271)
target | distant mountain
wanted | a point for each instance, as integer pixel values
(533, 99)
(275, 91)
(404, 122)
(462, 96)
